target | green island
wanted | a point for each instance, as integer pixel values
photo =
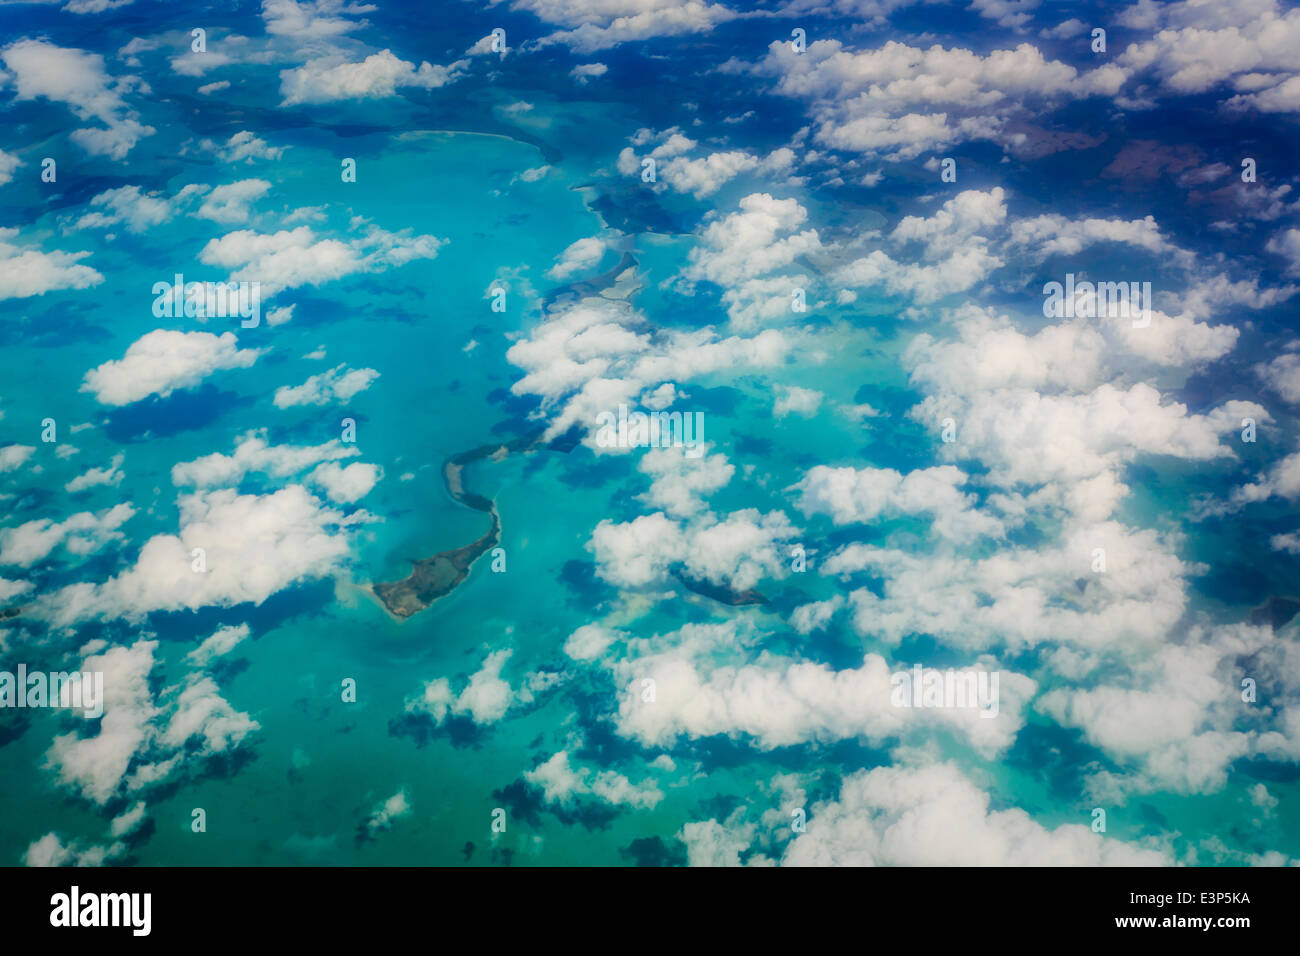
(439, 575)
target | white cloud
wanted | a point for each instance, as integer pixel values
(589, 642)
(388, 812)
(143, 741)
(793, 400)
(1021, 597)
(340, 384)
(230, 203)
(580, 256)
(561, 783)
(12, 457)
(484, 699)
(588, 71)
(94, 477)
(736, 551)
(296, 257)
(588, 358)
(955, 253)
(82, 533)
(1287, 245)
(749, 254)
(1282, 480)
(600, 24)
(246, 147)
(253, 546)
(346, 484)
(854, 496)
(935, 816)
(381, 74)
(705, 685)
(220, 643)
(1199, 46)
(12, 589)
(28, 272)
(77, 78)
(8, 163)
(133, 208)
(50, 850)
(1283, 373)
(254, 453)
(313, 19)
(680, 481)
(898, 101)
(161, 361)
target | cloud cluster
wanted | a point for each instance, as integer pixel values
(142, 741)
(162, 361)
(252, 546)
(79, 80)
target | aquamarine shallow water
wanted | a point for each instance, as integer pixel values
(317, 766)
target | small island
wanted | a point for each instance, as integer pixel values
(439, 575)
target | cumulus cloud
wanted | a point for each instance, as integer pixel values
(592, 25)
(330, 78)
(230, 203)
(82, 533)
(28, 272)
(563, 784)
(252, 547)
(1093, 432)
(79, 80)
(50, 850)
(254, 453)
(220, 643)
(584, 72)
(956, 253)
(735, 551)
(340, 384)
(486, 696)
(142, 741)
(897, 102)
(1197, 47)
(134, 209)
(705, 685)
(1282, 480)
(1283, 373)
(161, 361)
(793, 400)
(346, 484)
(94, 477)
(313, 19)
(750, 255)
(705, 175)
(581, 255)
(246, 147)
(1021, 597)
(589, 642)
(935, 816)
(296, 257)
(1170, 720)
(589, 357)
(387, 813)
(12, 457)
(8, 163)
(681, 482)
(853, 496)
